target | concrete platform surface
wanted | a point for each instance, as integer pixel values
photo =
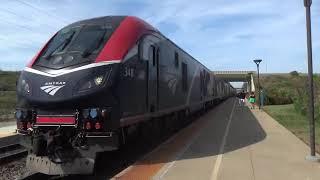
(230, 142)
(7, 128)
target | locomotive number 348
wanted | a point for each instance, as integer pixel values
(128, 72)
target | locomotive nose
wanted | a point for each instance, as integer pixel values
(68, 86)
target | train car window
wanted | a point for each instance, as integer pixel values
(146, 50)
(184, 77)
(208, 78)
(201, 82)
(214, 87)
(158, 56)
(145, 46)
(176, 59)
(154, 56)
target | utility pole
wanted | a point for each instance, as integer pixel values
(258, 61)
(312, 157)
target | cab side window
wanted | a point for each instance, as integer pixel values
(147, 46)
(184, 76)
(176, 59)
(152, 54)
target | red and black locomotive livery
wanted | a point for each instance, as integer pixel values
(94, 81)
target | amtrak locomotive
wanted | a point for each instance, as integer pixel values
(96, 81)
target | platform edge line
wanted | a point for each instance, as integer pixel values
(217, 164)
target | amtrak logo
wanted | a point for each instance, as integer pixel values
(52, 87)
(172, 85)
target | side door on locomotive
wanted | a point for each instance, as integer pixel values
(150, 52)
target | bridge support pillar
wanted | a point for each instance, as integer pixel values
(252, 83)
(248, 87)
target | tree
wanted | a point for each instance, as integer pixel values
(294, 73)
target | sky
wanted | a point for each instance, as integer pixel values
(222, 34)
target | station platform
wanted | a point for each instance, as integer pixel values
(8, 133)
(227, 143)
(7, 128)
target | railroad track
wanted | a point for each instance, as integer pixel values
(11, 152)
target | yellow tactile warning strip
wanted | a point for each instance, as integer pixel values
(6, 134)
(148, 166)
(6, 131)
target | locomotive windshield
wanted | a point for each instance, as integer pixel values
(88, 39)
(74, 46)
(59, 42)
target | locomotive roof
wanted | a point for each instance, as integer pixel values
(112, 20)
(126, 30)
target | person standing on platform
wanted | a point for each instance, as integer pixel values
(252, 100)
(242, 97)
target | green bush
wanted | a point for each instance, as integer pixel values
(291, 88)
(301, 104)
(277, 89)
(7, 94)
(7, 99)
(8, 80)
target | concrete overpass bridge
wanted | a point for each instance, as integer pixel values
(238, 76)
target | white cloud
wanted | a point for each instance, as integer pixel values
(223, 34)
(277, 35)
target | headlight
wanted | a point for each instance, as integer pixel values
(91, 83)
(22, 115)
(18, 114)
(85, 113)
(93, 113)
(24, 87)
(98, 80)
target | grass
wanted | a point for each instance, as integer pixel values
(7, 94)
(7, 105)
(7, 99)
(8, 80)
(298, 124)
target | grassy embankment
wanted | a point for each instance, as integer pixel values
(294, 121)
(287, 102)
(7, 94)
